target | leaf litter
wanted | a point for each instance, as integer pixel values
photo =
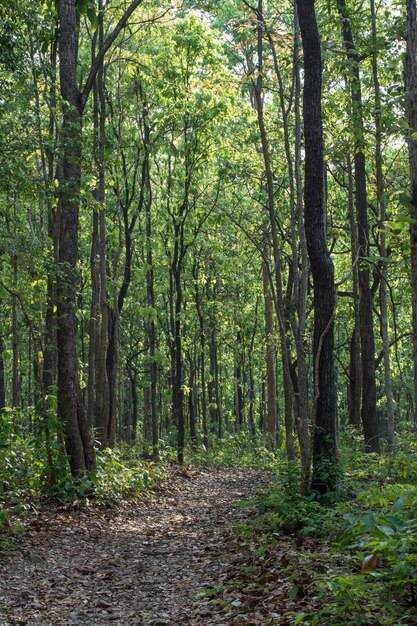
(173, 558)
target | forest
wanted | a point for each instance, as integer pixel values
(208, 298)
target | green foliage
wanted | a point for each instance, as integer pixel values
(371, 575)
(289, 510)
(34, 468)
(88, 8)
(29, 463)
(123, 474)
(238, 450)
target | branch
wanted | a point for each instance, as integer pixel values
(105, 47)
(348, 273)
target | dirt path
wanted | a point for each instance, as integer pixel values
(142, 565)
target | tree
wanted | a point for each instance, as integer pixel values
(324, 407)
(411, 109)
(370, 418)
(78, 438)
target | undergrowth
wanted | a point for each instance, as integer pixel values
(370, 574)
(236, 450)
(34, 468)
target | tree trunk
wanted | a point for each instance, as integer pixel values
(383, 293)
(289, 399)
(15, 342)
(202, 356)
(370, 418)
(324, 408)
(134, 392)
(104, 427)
(355, 360)
(191, 396)
(78, 440)
(213, 386)
(238, 400)
(177, 391)
(2, 378)
(93, 324)
(271, 385)
(411, 109)
(150, 295)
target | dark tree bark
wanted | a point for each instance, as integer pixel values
(271, 383)
(202, 337)
(78, 439)
(370, 419)
(250, 359)
(383, 250)
(411, 109)
(177, 390)
(238, 376)
(50, 355)
(213, 385)
(191, 398)
(150, 295)
(355, 381)
(99, 264)
(2, 378)
(355, 360)
(324, 409)
(15, 342)
(93, 324)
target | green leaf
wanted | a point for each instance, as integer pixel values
(92, 17)
(82, 6)
(399, 504)
(386, 530)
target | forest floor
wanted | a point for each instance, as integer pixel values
(172, 558)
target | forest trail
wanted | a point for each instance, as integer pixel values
(143, 564)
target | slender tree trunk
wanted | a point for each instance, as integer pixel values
(238, 400)
(355, 386)
(111, 367)
(355, 361)
(202, 338)
(302, 282)
(147, 426)
(93, 324)
(104, 427)
(411, 109)
(191, 403)
(177, 391)
(50, 356)
(15, 342)
(134, 392)
(383, 244)
(271, 394)
(324, 409)
(295, 309)
(370, 418)
(2, 378)
(289, 399)
(213, 386)
(203, 392)
(262, 408)
(150, 295)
